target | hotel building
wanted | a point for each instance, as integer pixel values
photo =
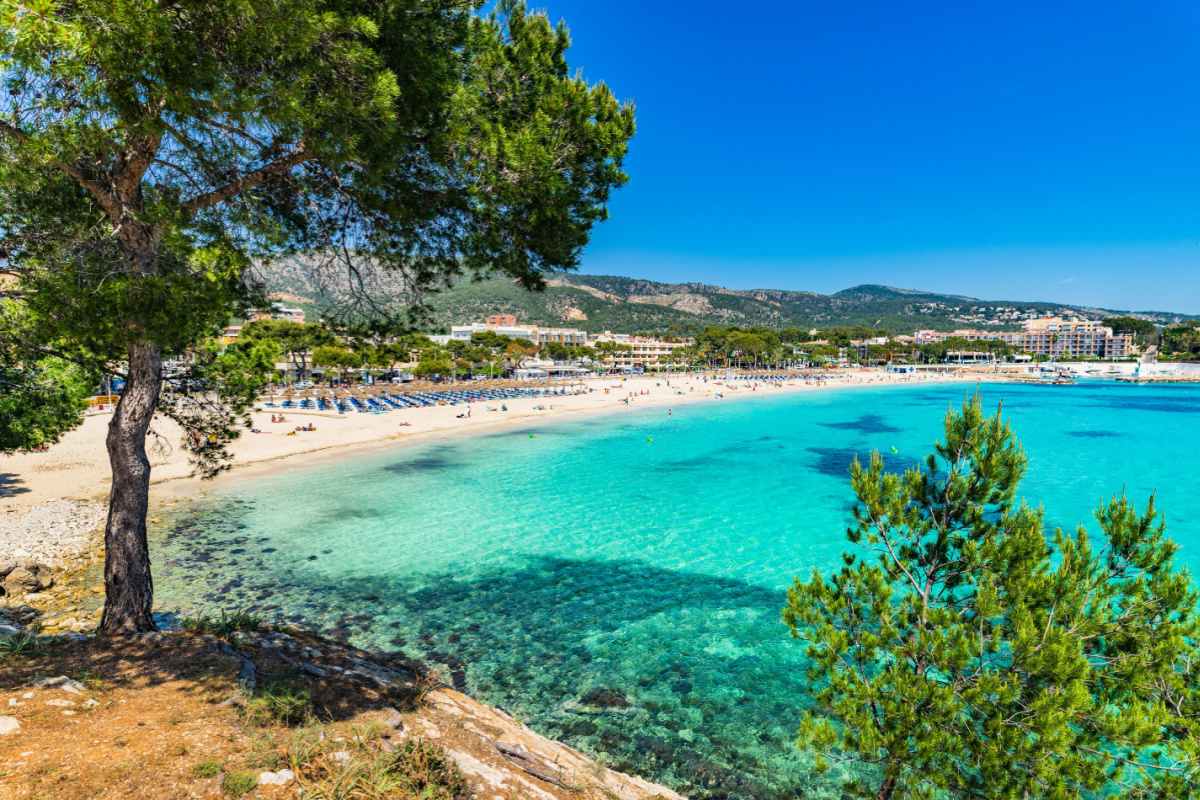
(1051, 336)
(534, 333)
(646, 352)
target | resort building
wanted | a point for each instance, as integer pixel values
(279, 311)
(647, 353)
(534, 333)
(1051, 336)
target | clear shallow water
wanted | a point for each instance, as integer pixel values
(640, 553)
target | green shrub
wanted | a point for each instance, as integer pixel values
(417, 769)
(236, 784)
(206, 769)
(425, 770)
(226, 626)
(19, 644)
(278, 701)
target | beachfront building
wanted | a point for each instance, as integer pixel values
(279, 311)
(1050, 336)
(647, 353)
(535, 333)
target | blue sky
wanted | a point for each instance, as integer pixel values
(1019, 150)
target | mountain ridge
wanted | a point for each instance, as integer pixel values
(596, 303)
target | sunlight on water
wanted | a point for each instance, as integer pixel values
(641, 554)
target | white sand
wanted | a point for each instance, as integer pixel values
(77, 467)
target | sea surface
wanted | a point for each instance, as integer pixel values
(640, 554)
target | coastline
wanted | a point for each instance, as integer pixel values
(76, 469)
(52, 505)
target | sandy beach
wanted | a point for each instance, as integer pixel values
(77, 467)
(72, 479)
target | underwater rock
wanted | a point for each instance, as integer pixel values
(605, 698)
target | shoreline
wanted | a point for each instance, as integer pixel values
(76, 469)
(176, 488)
(59, 519)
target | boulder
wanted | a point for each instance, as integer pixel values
(7, 567)
(27, 578)
(9, 725)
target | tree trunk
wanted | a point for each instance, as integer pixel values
(886, 789)
(129, 588)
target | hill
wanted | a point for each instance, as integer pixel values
(597, 303)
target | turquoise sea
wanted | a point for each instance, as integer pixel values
(640, 553)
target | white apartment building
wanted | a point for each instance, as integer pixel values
(647, 353)
(1049, 336)
(534, 333)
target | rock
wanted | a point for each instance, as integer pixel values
(7, 567)
(27, 578)
(62, 681)
(9, 630)
(341, 756)
(9, 725)
(314, 670)
(60, 703)
(281, 778)
(605, 698)
(28, 695)
(393, 719)
(92, 703)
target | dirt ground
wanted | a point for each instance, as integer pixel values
(166, 716)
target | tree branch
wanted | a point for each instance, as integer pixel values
(102, 195)
(249, 180)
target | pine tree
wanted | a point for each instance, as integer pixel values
(961, 653)
(152, 152)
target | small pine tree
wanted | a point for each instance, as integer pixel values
(969, 656)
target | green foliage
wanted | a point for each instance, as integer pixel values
(41, 395)
(939, 352)
(206, 769)
(1181, 340)
(226, 626)
(279, 701)
(416, 768)
(19, 644)
(428, 369)
(295, 340)
(236, 784)
(959, 653)
(1138, 327)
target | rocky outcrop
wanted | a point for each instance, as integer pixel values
(501, 754)
(501, 757)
